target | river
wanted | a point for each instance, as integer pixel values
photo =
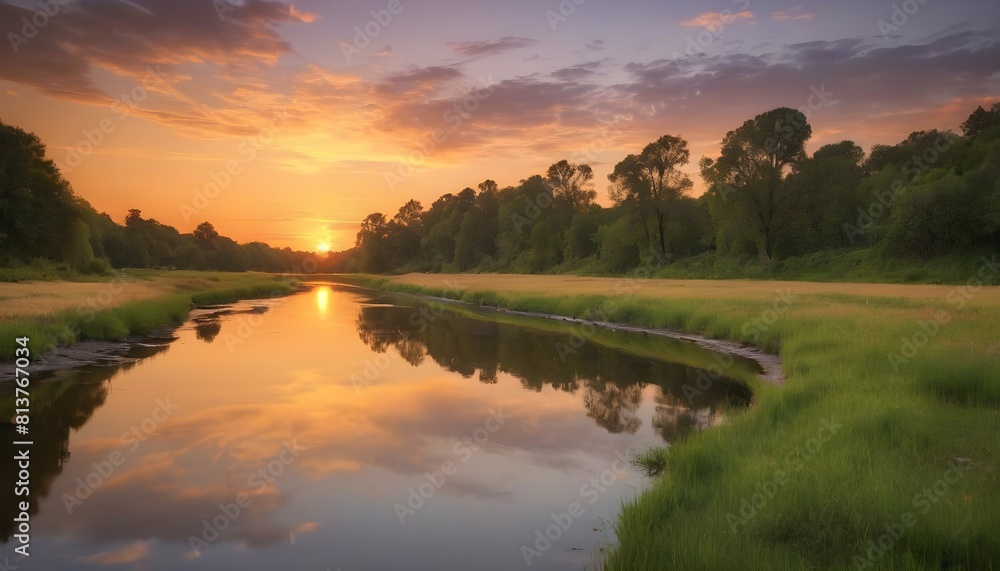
(340, 429)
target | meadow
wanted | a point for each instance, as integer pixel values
(878, 451)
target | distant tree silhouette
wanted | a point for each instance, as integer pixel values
(205, 234)
(978, 121)
(133, 218)
(409, 213)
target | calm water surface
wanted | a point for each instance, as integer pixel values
(344, 430)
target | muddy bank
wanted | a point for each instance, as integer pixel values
(134, 348)
(94, 353)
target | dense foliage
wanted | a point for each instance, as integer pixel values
(934, 193)
(42, 220)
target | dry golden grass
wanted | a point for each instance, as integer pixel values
(38, 298)
(27, 299)
(664, 288)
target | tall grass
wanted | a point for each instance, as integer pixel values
(831, 470)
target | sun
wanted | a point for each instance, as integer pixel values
(324, 247)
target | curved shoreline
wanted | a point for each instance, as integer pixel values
(116, 352)
(769, 363)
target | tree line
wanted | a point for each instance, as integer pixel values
(934, 193)
(41, 219)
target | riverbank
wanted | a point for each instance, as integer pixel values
(769, 363)
(129, 303)
(879, 450)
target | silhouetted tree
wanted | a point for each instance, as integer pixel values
(205, 234)
(571, 184)
(978, 121)
(133, 218)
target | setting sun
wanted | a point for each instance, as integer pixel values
(323, 248)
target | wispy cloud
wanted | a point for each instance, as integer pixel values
(491, 47)
(296, 15)
(577, 72)
(129, 554)
(716, 20)
(793, 13)
(423, 80)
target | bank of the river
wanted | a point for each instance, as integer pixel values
(880, 450)
(132, 302)
(769, 363)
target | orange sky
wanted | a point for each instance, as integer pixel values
(319, 122)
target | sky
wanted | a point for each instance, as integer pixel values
(290, 122)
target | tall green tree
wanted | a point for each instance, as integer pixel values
(371, 241)
(825, 195)
(442, 221)
(38, 210)
(488, 201)
(405, 233)
(652, 182)
(750, 174)
(571, 184)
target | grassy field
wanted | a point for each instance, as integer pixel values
(879, 451)
(54, 313)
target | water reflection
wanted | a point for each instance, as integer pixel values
(612, 381)
(208, 329)
(63, 402)
(323, 300)
(614, 407)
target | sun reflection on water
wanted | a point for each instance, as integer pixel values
(323, 299)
